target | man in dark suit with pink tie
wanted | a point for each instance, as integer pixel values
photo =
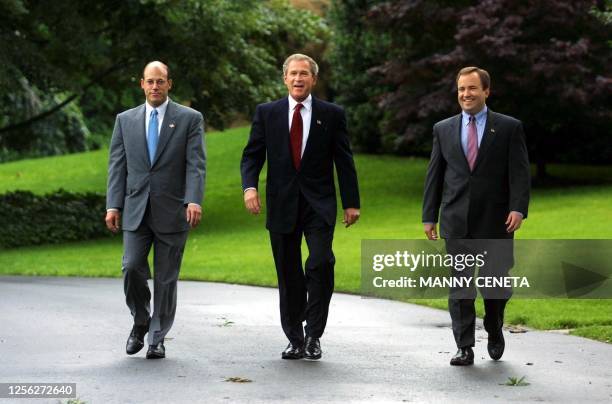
(477, 184)
(302, 138)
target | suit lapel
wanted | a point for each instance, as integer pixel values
(456, 132)
(168, 125)
(140, 132)
(280, 125)
(283, 116)
(488, 137)
(314, 130)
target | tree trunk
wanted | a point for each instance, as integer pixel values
(27, 122)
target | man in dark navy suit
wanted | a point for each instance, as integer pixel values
(478, 184)
(302, 138)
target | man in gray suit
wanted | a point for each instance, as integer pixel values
(156, 173)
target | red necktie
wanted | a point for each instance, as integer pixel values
(472, 143)
(295, 134)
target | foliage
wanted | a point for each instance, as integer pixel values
(224, 55)
(557, 81)
(516, 381)
(419, 91)
(356, 48)
(63, 132)
(54, 218)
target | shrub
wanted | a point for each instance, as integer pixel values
(57, 217)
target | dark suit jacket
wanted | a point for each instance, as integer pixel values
(175, 178)
(476, 204)
(327, 145)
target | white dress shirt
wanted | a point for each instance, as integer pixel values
(306, 113)
(161, 112)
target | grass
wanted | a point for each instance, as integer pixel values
(516, 382)
(233, 246)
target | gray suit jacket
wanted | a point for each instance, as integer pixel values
(175, 178)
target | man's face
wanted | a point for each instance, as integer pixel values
(470, 93)
(299, 79)
(156, 85)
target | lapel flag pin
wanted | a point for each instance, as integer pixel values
(492, 130)
(318, 122)
(172, 125)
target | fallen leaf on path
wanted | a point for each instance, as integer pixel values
(238, 380)
(226, 322)
(517, 329)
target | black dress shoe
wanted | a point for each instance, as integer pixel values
(496, 345)
(312, 348)
(463, 357)
(135, 341)
(293, 351)
(156, 351)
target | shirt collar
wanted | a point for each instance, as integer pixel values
(161, 110)
(307, 103)
(480, 117)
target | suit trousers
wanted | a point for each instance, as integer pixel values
(304, 294)
(498, 262)
(167, 257)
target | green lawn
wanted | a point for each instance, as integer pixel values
(232, 246)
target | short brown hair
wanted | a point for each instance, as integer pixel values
(314, 67)
(485, 79)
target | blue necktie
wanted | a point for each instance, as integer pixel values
(152, 135)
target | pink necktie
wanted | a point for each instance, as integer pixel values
(472, 143)
(295, 135)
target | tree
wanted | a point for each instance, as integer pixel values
(356, 48)
(418, 30)
(64, 131)
(224, 55)
(549, 61)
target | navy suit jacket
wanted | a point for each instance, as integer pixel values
(327, 145)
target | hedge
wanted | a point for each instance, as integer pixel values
(57, 217)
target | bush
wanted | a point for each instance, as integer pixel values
(61, 216)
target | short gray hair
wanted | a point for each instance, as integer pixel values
(314, 67)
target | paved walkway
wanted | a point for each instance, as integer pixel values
(74, 330)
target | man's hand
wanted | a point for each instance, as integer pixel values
(113, 220)
(193, 212)
(430, 231)
(513, 222)
(252, 201)
(351, 215)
